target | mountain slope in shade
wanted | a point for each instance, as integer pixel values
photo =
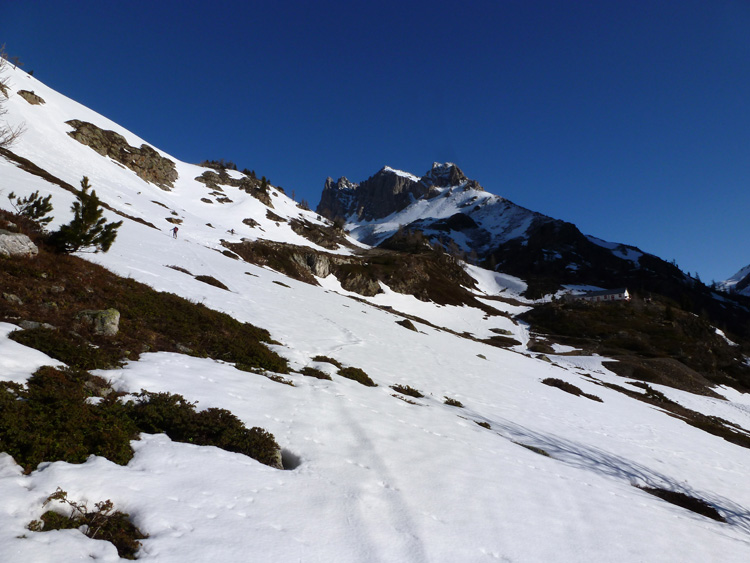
(522, 471)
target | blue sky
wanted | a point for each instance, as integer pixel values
(629, 119)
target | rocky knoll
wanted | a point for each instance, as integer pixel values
(144, 161)
(253, 186)
(427, 274)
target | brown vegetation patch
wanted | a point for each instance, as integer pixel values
(406, 323)
(313, 372)
(210, 280)
(714, 425)
(407, 390)
(569, 388)
(149, 320)
(652, 342)
(699, 506)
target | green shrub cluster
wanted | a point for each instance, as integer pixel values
(171, 414)
(69, 348)
(103, 523)
(453, 402)
(52, 419)
(357, 375)
(327, 360)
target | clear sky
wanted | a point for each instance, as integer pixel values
(630, 119)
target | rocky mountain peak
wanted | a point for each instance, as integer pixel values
(444, 175)
(342, 183)
(387, 191)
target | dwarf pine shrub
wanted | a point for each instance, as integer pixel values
(453, 402)
(313, 372)
(407, 390)
(327, 360)
(357, 375)
(176, 417)
(51, 419)
(101, 523)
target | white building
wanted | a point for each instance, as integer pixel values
(621, 294)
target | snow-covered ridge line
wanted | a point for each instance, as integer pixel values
(401, 173)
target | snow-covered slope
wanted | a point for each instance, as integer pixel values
(203, 216)
(491, 221)
(373, 478)
(739, 282)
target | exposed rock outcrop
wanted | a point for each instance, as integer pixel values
(256, 188)
(330, 237)
(378, 196)
(30, 97)
(16, 244)
(145, 161)
(429, 275)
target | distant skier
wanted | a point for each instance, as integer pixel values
(174, 232)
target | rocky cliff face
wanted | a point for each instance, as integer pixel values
(386, 192)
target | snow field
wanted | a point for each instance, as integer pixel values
(376, 479)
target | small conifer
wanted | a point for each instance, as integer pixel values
(89, 228)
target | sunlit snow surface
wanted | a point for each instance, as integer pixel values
(375, 479)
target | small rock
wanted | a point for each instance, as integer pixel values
(30, 325)
(16, 244)
(106, 323)
(12, 298)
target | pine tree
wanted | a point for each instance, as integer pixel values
(88, 229)
(33, 207)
